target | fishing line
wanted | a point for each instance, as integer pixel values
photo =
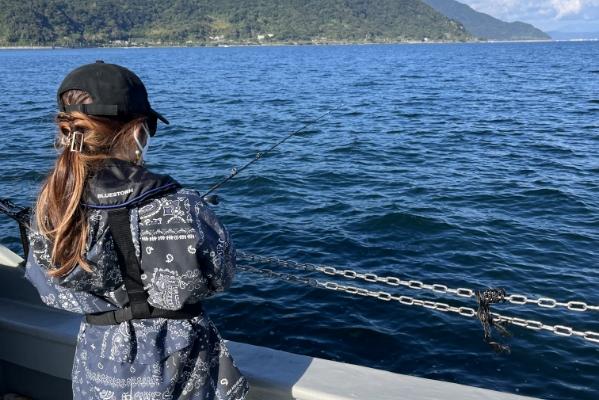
(213, 199)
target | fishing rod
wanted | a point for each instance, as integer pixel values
(22, 216)
(18, 213)
(214, 200)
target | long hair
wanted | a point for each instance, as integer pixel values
(59, 214)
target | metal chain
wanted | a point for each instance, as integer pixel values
(544, 302)
(281, 275)
(559, 330)
(547, 302)
(407, 300)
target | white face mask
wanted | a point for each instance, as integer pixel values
(142, 149)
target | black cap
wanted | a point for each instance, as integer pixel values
(115, 91)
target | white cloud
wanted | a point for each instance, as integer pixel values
(566, 7)
(546, 13)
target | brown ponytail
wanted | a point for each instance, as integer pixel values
(60, 217)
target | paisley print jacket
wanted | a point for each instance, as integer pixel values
(185, 254)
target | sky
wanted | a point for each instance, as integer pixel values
(548, 15)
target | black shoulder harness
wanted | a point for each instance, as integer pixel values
(116, 188)
(138, 308)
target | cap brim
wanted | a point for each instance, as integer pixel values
(160, 117)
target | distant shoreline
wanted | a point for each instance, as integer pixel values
(225, 45)
(267, 44)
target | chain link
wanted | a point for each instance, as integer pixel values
(469, 312)
(544, 302)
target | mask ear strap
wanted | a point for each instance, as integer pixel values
(140, 147)
(146, 130)
(141, 150)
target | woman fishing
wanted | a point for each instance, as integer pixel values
(132, 250)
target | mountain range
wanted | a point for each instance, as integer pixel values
(97, 22)
(485, 26)
(210, 22)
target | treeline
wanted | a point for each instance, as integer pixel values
(101, 22)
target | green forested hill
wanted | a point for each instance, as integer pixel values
(100, 22)
(485, 26)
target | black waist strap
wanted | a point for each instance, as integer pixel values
(125, 314)
(139, 308)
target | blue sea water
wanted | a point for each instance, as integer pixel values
(470, 165)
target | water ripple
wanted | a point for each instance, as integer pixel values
(470, 165)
